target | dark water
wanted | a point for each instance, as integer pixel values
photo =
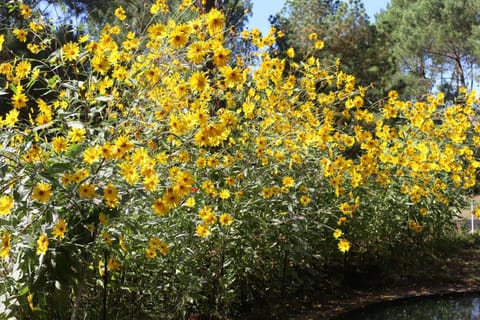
(451, 307)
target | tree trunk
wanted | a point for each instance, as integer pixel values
(460, 72)
(207, 5)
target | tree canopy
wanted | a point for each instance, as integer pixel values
(435, 42)
(347, 34)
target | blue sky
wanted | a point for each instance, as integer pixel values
(262, 9)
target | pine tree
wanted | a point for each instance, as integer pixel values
(435, 42)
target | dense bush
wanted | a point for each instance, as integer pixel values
(158, 175)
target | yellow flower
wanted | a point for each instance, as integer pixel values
(80, 175)
(150, 253)
(415, 226)
(113, 264)
(101, 268)
(203, 230)
(196, 52)
(7, 70)
(91, 228)
(123, 144)
(100, 64)
(76, 135)
(42, 244)
(179, 37)
(91, 155)
(319, 44)
(151, 182)
(43, 118)
(84, 38)
(34, 48)
(198, 81)
(6, 205)
(21, 34)
(215, 21)
(59, 229)
(224, 194)
(347, 209)
(30, 302)
(225, 219)
(171, 198)
(221, 56)
(476, 212)
(304, 200)
(123, 246)
(291, 53)
(107, 150)
(120, 13)
(337, 233)
(288, 182)
(159, 5)
(86, 190)
(209, 218)
(232, 75)
(22, 70)
(35, 27)
(25, 11)
(70, 51)
(110, 195)
(190, 202)
(5, 249)
(42, 192)
(66, 179)
(230, 181)
(163, 248)
(155, 244)
(106, 237)
(344, 245)
(102, 218)
(155, 30)
(60, 144)
(160, 208)
(11, 118)
(19, 100)
(2, 39)
(185, 177)
(341, 221)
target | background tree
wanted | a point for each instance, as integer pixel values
(435, 43)
(297, 22)
(348, 35)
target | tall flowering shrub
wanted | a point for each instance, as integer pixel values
(154, 173)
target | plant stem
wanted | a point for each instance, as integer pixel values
(105, 283)
(284, 271)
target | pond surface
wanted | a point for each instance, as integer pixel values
(451, 307)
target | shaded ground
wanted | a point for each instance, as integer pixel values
(458, 271)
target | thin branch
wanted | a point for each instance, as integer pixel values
(439, 54)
